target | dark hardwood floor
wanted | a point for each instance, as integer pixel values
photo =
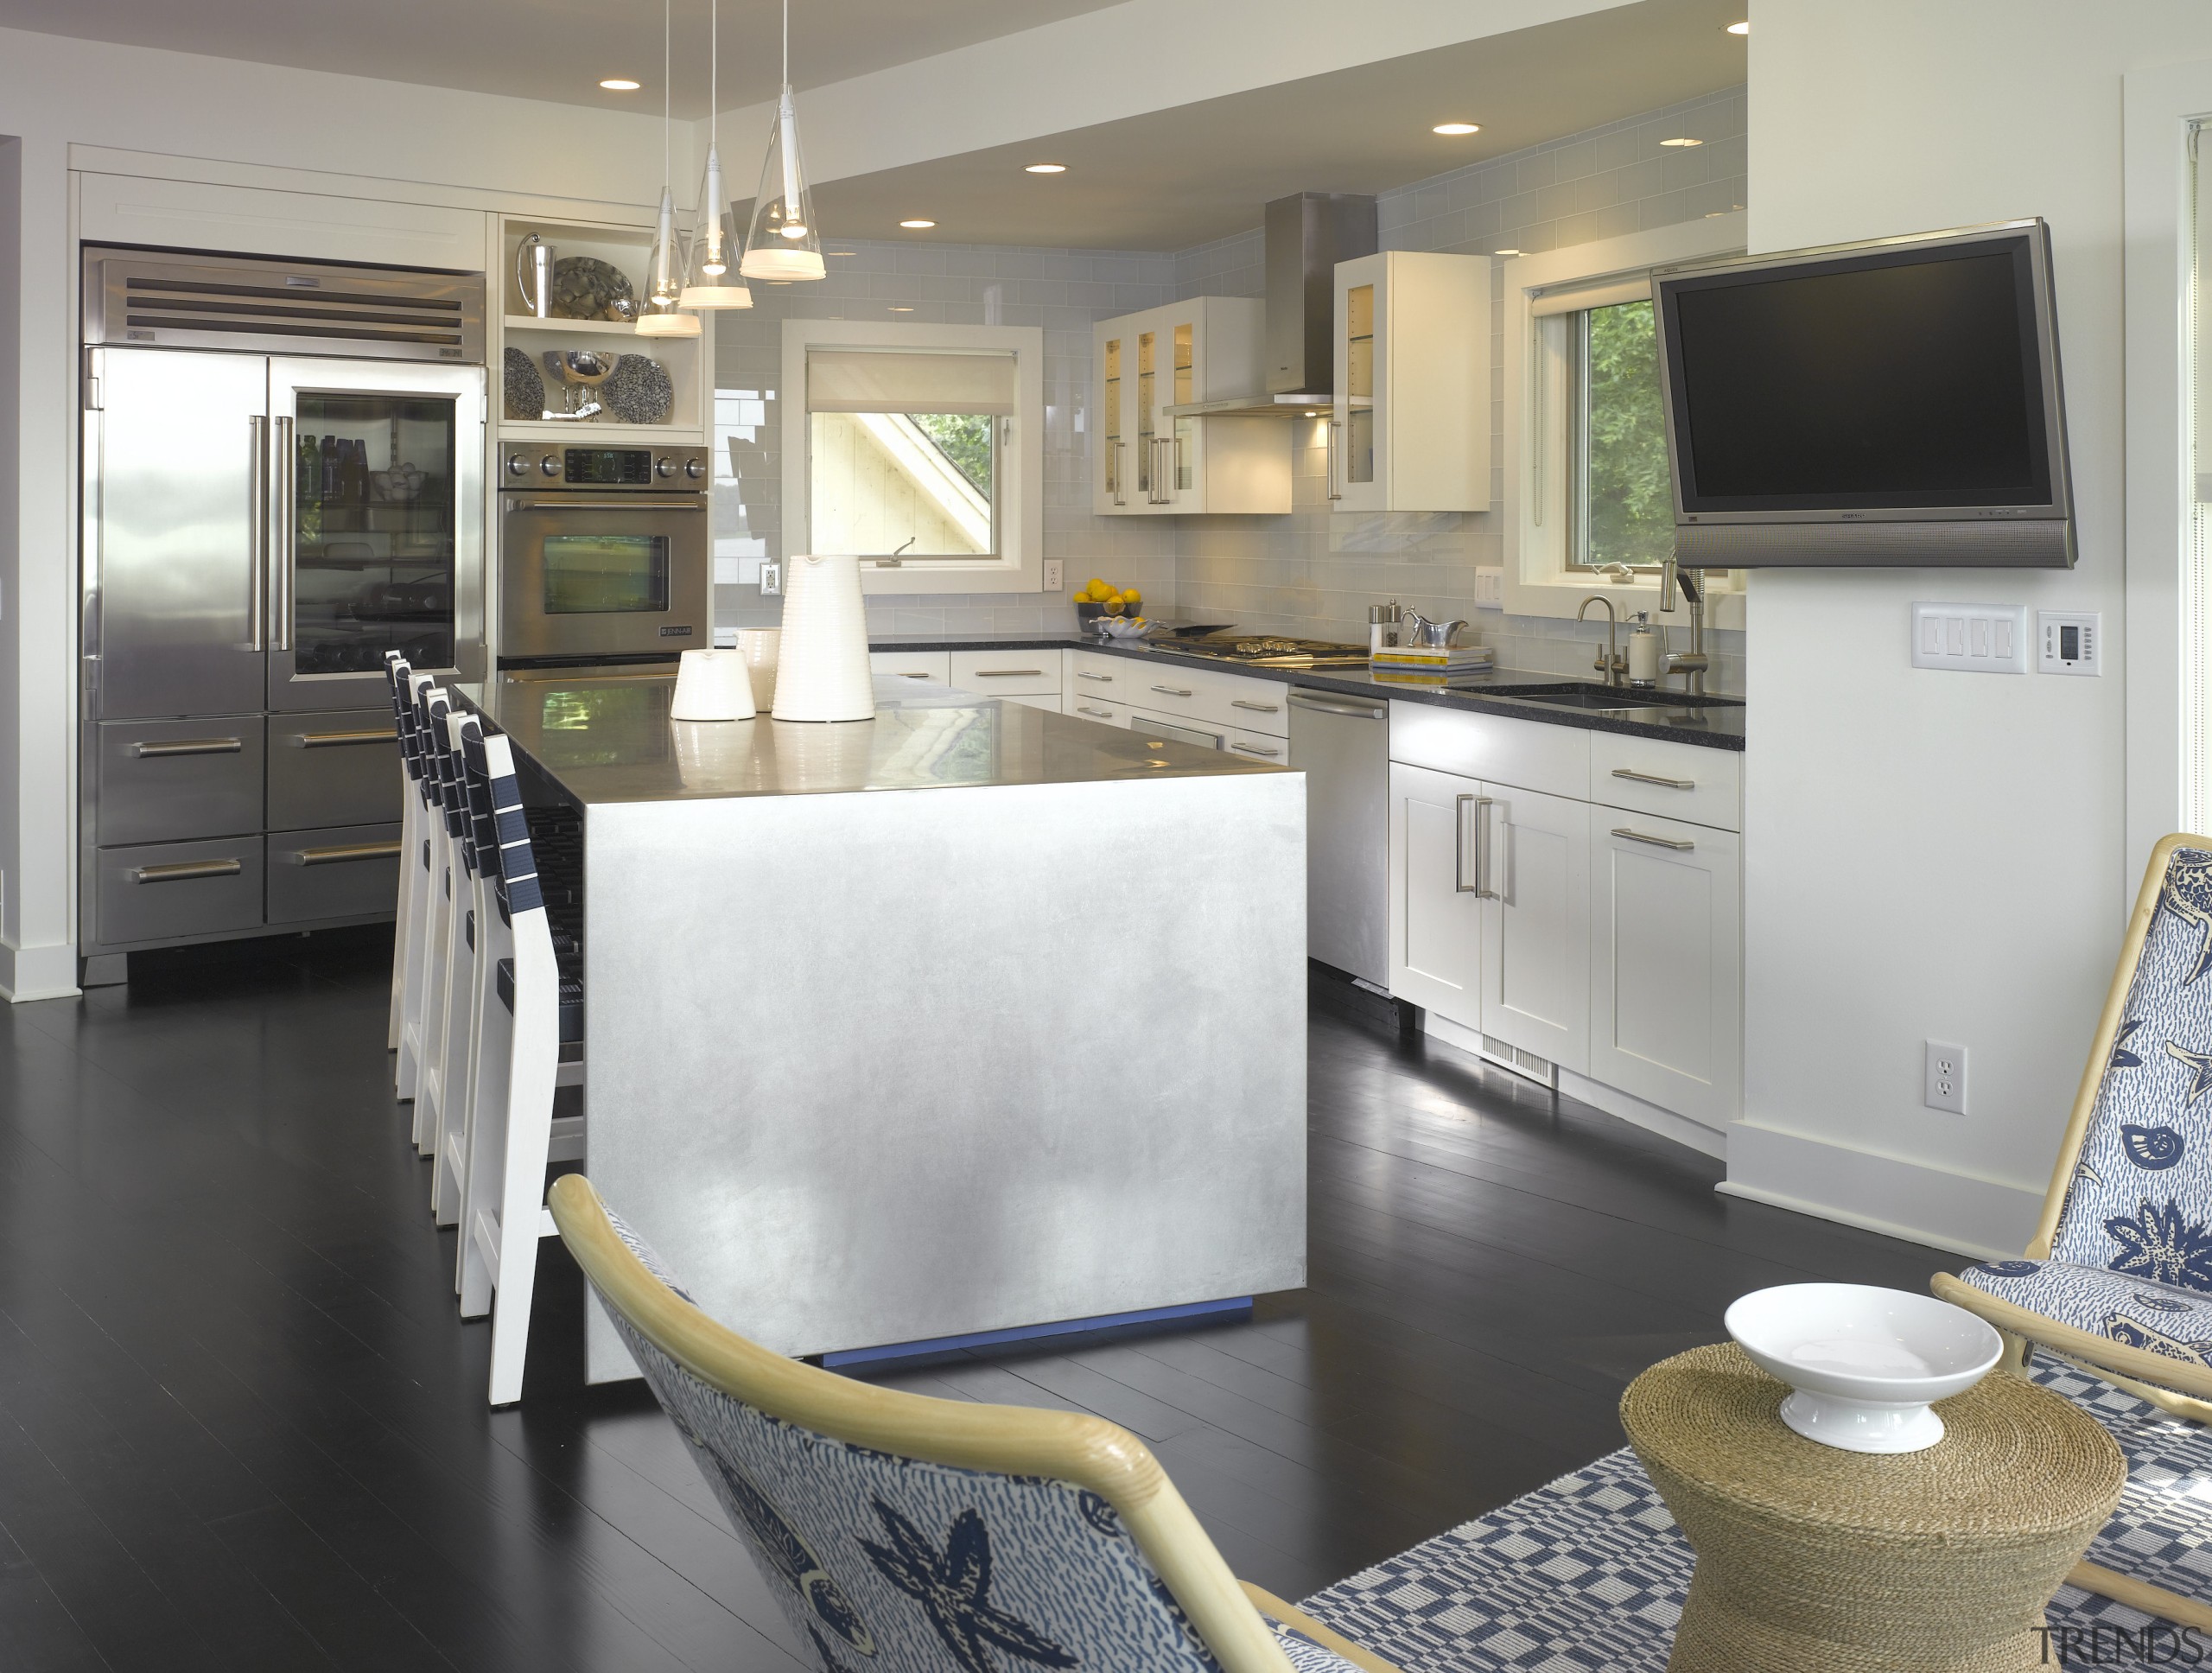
(242, 1429)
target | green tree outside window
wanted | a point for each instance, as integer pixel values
(1627, 514)
(965, 439)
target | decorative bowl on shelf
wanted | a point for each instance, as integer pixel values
(1863, 1363)
(585, 288)
(1090, 612)
(1123, 626)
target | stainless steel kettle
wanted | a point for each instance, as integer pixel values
(1416, 629)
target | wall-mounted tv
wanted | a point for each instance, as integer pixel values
(1892, 403)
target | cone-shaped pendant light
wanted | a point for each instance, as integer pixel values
(784, 242)
(665, 263)
(708, 281)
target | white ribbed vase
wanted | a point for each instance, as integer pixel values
(760, 645)
(821, 670)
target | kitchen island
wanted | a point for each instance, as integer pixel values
(966, 1019)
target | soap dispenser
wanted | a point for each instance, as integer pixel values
(1643, 652)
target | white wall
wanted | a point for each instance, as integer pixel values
(1933, 854)
(56, 93)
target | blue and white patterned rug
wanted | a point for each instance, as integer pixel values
(1589, 1574)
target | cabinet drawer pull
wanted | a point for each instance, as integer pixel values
(1256, 707)
(1254, 749)
(1007, 673)
(1102, 714)
(1654, 779)
(183, 871)
(904, 675)
(331, 740)
(1172, 691)
(1103, 679)
(1656, 841)
(187, 746)
(339, 855)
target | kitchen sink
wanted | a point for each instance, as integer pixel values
(1587, 694)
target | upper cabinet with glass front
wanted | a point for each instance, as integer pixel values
(574, 359)
(1150, 462)
(1410, 429)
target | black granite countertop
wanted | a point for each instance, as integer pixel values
(1718, 723)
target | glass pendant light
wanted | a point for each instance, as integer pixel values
(664, 263)
(784, 242)
(708, 280)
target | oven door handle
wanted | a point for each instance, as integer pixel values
(689, 502)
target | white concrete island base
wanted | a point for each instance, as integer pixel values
(967, 1018)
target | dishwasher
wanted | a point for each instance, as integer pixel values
(1342, 744)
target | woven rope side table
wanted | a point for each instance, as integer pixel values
(1810, 1560)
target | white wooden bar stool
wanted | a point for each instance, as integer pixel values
(395, 670)
(407, 1072)
(466, 981)
(437, 952)
(514, 1137)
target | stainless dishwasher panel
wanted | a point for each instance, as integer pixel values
(340, 767)
(1342, 745)
(350, 871)
(178, 891)
(167, 780)
(1174, 734)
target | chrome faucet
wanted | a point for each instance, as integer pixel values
(1611, 662)
(1690, 664)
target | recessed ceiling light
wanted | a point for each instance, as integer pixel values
(1682, 141)
(1505, 252)
(1744, 27)
(1457, 128)
(902, 307)
(619, 83)
(1046, 168)
(917, 225)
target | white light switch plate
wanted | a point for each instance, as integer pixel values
(1973, 638)
(2070, 642)
(1489, 586)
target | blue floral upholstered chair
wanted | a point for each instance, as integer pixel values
(901, 1534)
(2119, 1277)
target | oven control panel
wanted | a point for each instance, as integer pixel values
(602, 469)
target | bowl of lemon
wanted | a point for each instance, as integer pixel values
(1099, 602)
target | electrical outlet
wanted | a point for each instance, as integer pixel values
(1946, 1076)
(1054, 579)
(771, 578)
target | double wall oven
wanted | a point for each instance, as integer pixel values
(606, 563)
(281, 470)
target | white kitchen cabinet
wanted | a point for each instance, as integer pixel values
(1022, 674)
(1104, 710)
(1409, 430)
(1666, 975)
(1534, 852)
(1150, 463)
(913, 664)
(1436, 920)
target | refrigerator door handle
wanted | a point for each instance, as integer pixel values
(92, 442)
(258, 515)
(284, 526)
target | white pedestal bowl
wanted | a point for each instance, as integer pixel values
(1863, 1364)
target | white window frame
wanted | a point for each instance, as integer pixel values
(1538, 421)
(1018, 491)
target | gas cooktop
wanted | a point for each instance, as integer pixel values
(1271, 652)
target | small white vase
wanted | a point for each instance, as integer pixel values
(712, 685)
(822, 669)
(760, 645)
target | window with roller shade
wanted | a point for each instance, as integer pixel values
(2195, 591)
(905, 452)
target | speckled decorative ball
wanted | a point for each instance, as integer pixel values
(525, 389)
(639, 392)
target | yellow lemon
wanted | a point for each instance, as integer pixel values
(1098, 590)
(1131, 595)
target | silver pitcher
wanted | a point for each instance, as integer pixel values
(1416, 629)
(539, 256)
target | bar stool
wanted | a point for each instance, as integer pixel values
(465, 978)
(512, 1134)
(437, 952)
(407, 1072)
(395, 670)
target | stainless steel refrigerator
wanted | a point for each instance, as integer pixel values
(282, 471)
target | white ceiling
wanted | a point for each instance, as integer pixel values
(552, 49)
(1170, 179)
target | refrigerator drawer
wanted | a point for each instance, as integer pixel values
(175, 890)
(345, 871)
(336, 768)
(168, 780)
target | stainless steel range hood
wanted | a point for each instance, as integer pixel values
(1308, 234)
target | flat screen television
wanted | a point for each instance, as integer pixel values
(1892, 403)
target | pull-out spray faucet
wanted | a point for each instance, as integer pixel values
(1690, 665)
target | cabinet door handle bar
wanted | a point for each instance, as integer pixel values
(1656, 841)
(1654, 779)
(333, 740)
(337, 856)
(1174, 691)
(1256, 707)
(148, 749)
(1005, 673)
(184, 870)
(1254, 749)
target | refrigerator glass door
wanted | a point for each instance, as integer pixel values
(172, 531)
(377, 488)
